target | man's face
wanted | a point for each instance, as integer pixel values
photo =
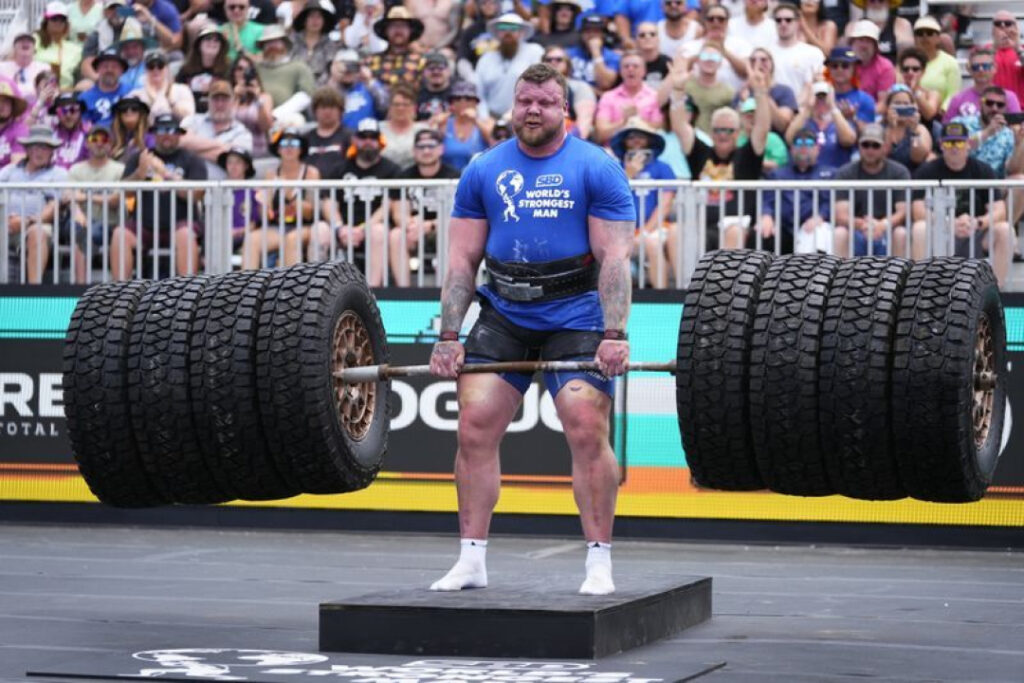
(327, 116)
(437, 76)
(842, 72)
(367, 146)
(222, 108)
(762, 61)
(39, 155)
(563, 17)
(237, 11)
(275, 49)
(132, 52)
(427, 151)
(1005, 32)
(871, 151)
(992, 104)
(508, 39)
(167, 139)
(558, 60)
(98, 144)
(756, 5)
(725, 130)
(109, 72)
(24, 50)
(538, 113)
(632, 69)
(983, 69)
(647, 36)
(113, 18)
(715, 23)
(954, 153)
(804, 152)
(785, 23)
(591, 33)
(709, 60)
(636, 140)
(398, 33)
(864, 48)
(673, 9)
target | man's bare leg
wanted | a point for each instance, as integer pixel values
(487, 404)
(584, 411)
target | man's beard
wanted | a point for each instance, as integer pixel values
(508, 49)
(368, 156)
(879, 16)
(537, 137)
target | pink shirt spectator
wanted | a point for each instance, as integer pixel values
(9, 144)
(876, 76)
(967, 102)
(613, 103)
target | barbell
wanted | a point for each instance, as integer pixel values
(873, 378)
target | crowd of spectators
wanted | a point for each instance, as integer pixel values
(809, 90)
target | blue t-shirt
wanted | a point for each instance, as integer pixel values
(358, 106)
(646, 200)
(583, 67)
(99, 105)
(458, 153)
(537, 210)
(832, 153)
(863, 103)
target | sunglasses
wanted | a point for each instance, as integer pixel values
(134, 108)
(549, 60)
(995, 104)
(154, 66)
(367, 136)
(717, 19)
(723, 131)
(910, 69)
(1004, 23)
(165, 131)
(646, 34)
(710, 57)
(983, 66)
(98, 137)
(784, 20)
(954, 144)
(839, 65)
(869, 144)
(69, 109)
(926, 33)
(804, 142)
(235, 7)
(290, 142)
(426, 145)
(674, 2)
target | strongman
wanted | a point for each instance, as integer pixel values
(554, 218)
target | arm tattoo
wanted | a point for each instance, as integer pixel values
(614, 285)
(456, 297)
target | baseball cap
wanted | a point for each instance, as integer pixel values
(873, 132)
(927, 23)
(954, 130)
(464, 89)
(368, 125)
(431, 133)
(865, 28)
(748, 105)
(821, 88)
(841, 54)
(220, 87)
(434, 57)
(166, 122)
(593, 21)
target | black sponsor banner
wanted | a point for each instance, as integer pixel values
(32, 425)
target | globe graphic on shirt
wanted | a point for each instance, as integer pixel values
(509, 184)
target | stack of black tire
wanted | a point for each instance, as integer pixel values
(810, 375)
(206, 389)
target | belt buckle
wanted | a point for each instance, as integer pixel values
(519, 291)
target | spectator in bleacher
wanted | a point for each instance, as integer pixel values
(99, 170)
(502, 131)
(83, 18)
(132, 48)
(656, 65)
(582, 101)
(875, 72)
(363, 96)
(400, 125)
(463, 131)
(211, 134)
(1009, 53)
(592, 60)
(815, 28)
(161, 24)
(165, 162)
(980, 214)
(12, 127)
(476, 40)
(289, 208)
(724, 160)
(246, 211)
(32, 214)
(781, 99)
(130, 128)
(243, 33)
(54, 47)
(754, 26)
(857, 106)
(260, 11)
(812, 213)
(837, 137)
(941, 72)
(634, 98)
(328, 142)
(435, 86)
(402, 60)
(311, 40)
(421, 206)
(677, 28)
(992, 140)
(707, 91)
(797, 63)
(207, 60)
(775, 152)
(562, 31)
(354, 228)
(496, 72)
(255, 109)
(638, 145)
(967, 102)
(288, 81)
(23, 67)
(878, 212)
(894, 32)
(161, 93)
(441, 21)
(714, 19)
(117, 21)
(70, 129)
(908, 140)
(629, 14)
(47, 90)
(359, 34)
(929, 102)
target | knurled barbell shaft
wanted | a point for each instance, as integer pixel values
(376, 373)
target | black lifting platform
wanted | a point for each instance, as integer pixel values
(541, 616)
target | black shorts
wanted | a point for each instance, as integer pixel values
(496, 339)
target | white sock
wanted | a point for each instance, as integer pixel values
(599, 570)
(470, 571)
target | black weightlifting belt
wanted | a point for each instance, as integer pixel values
(543, 281)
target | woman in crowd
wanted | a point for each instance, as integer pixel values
(400, 126)
(83, 18)
(55, 47)
(908, 139)
(130, 129)
(911, 67)
(311, 42)
(246, 210)
(255, 109)
(207, 60)
(894, 32)
(161, 93)
(47, 91)
(464, 136)
(815, 28)
(941, 69)
(287, 207)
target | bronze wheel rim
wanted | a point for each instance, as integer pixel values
(984, 381)
(355, 402)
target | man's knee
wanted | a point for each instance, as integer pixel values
(583, 411)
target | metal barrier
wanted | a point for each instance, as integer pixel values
(396, 230)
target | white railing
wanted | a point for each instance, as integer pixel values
(376, 224)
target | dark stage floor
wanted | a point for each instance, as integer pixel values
(91, 600)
